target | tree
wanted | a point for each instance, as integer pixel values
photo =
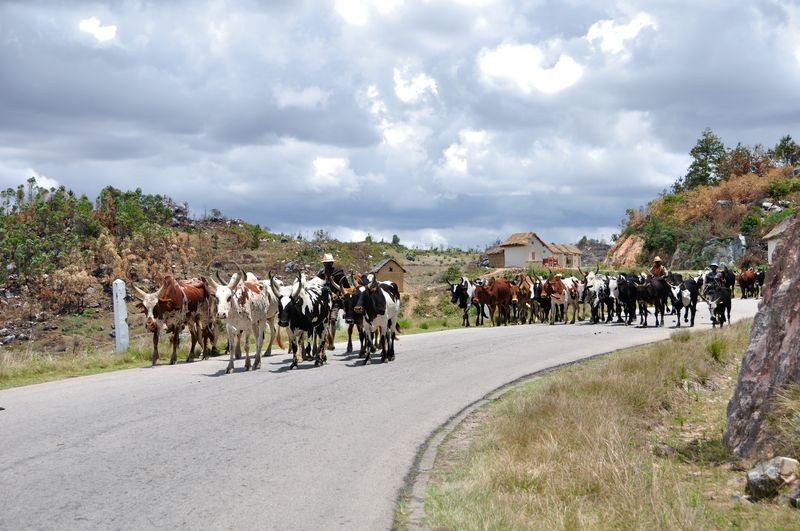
(708, 160)
(395, 239)
(786, 152)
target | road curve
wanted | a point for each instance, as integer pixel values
(190, 447)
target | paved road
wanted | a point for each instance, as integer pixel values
(190, 447)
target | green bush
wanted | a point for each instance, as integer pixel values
(782, 187)
(750, 224)
(451, 275)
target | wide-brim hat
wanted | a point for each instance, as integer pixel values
(327, 257)
(713, 264)
(657, 259)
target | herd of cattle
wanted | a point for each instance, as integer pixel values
(308, 308)
(530, 298)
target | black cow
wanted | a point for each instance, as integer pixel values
(718, 298)
(653, 291)
(626, 295)
(759, 285)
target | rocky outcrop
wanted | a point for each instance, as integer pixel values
(773, 358)
(625, 251)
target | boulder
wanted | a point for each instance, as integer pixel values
(724, 203)
(766, 479)
(4, 332)
(772, 359)
(724, 251)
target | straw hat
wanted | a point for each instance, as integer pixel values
(327, 257)
(657, 259)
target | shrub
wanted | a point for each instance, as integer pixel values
(71, 289)
(750, 224)
(716, 347)
(452, 274)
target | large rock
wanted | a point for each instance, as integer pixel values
(773, 358)
(724, 251)
(766, 479)
(625, 251)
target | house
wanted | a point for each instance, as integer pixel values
(389, 269)
(496, 256)
(527, 249)
(773, 237)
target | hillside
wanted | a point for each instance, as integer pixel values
(723, 221)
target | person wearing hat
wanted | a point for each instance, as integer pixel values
(657, 270)
(331, 271)
(712, 277)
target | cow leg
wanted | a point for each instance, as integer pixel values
(176, 339)
(272, 333)
(231, 342)
(155, 345)
(259, 330)
(349, 338)
(193, 332)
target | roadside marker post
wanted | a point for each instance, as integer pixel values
(120, 316)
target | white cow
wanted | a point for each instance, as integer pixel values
(245, 306)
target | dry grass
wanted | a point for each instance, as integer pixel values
(27, 366)
(576, 451)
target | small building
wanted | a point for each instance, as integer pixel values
(389, 269)
(496, 256)
(773, 237)
(527, 249)
(568, 255)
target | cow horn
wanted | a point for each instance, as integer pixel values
(138, 292)
(241, 270)
(273, 287)
(216, 272)
(336, 286)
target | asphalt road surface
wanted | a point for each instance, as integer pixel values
(188, 446)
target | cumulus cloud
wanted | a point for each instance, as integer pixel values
(525, 68)
(412, 88)
(613, 36)
(93, 27)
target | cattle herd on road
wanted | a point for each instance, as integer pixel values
(550, 299)
(307, 308)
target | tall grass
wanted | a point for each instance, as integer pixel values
(576, 451)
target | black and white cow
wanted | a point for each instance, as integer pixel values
(718, 298)
(304, 310)
(462, 295)
(684, 296)
(379, 304)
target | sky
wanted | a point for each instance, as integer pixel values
(446, 122)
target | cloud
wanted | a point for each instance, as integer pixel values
(101, 33)
(412, 88)
(524, 68)
(307, 98)
(613, 36)
(357, 12)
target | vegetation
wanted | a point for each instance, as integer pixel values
(632, 441)
(719, 197)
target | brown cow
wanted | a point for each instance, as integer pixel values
(176, 304)
(554, 288)
(496, 295)
(747, 282)
(525, 289)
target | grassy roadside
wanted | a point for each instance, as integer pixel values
(628, 441)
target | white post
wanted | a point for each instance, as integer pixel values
(120, 316)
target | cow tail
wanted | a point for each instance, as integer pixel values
(280, 343)
(397, 331)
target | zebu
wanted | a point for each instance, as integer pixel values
(304, 310)
(245, 306)
(178, 304)
(379, 304)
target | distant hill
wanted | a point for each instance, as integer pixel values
(719, 210)
(723, 221)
